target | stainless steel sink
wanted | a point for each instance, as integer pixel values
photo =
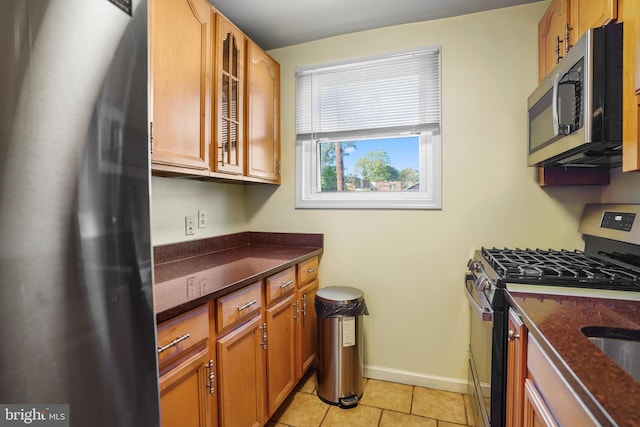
(621, 345)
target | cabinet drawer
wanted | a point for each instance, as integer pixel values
(307, 271)
(238, 306)
(182, 333)
(280, 284)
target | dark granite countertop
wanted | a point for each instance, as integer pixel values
(612, 395)
(188, 274)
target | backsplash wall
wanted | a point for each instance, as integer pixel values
(624, 188)
(172, 199)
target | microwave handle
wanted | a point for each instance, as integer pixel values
(554, 105)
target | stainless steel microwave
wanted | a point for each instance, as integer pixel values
(575, 114)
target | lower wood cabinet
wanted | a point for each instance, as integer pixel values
(241, 375)
(184, 400)
(280, 320)
(537, 394)
(266, 342)
(306, 328)
(536, 411)
(516, 368)
(187, 371)
(550, 399)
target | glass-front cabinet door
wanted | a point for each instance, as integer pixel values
(228, 144)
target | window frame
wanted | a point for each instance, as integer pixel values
(428, 196)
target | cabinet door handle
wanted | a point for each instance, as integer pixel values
(558, 41)
(567, 46)
(297, 315)
(312, 269)
(173, 343)
(304, 305)
(512, 335)
(264, 336)
(249, 304)
(285, 284)
(212, 377)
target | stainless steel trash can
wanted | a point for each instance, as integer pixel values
(339, 311)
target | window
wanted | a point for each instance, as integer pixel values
(368, 133)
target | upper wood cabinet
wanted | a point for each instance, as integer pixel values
(263, 115)
(562, 24)
(587, 14)
(552, 32)
(228, 144)
(180, 34)
(214, 95)
(629, 14)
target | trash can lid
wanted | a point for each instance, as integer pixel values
(339, 294)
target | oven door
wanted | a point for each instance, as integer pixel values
(480, 349)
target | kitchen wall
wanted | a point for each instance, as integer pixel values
(174, 198)
(623, 188)
(410, 264)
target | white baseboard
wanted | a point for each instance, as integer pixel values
(415, 378)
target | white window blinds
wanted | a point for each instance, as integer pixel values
(392, 94)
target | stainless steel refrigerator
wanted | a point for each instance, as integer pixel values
(77, 325)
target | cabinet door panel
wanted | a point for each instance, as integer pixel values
(630, 11)
(180, 64)
(550, 28)
(229, 109)
(263, 115)
(241, 376)
(308, 327)
(587, 14)
(280, 352)
(185, 400)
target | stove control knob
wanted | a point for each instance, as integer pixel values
(474, 265)
(483, 284)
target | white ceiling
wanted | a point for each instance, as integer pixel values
(279, 23)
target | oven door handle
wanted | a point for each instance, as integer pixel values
(484, 311)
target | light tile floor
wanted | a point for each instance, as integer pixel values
(383, 404)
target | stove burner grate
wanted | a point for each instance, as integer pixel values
(563, 268)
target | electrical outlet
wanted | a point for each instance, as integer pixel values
(189, 225)
(192, 289)
(203, 287)
(202, 218)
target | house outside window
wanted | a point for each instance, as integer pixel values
(368, 133)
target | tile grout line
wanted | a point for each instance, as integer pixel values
(413, 388)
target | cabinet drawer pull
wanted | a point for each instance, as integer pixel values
(173, 343)
(312, 269)
(285, 284)
(249, 304)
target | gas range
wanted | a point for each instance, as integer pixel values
(609, 266)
